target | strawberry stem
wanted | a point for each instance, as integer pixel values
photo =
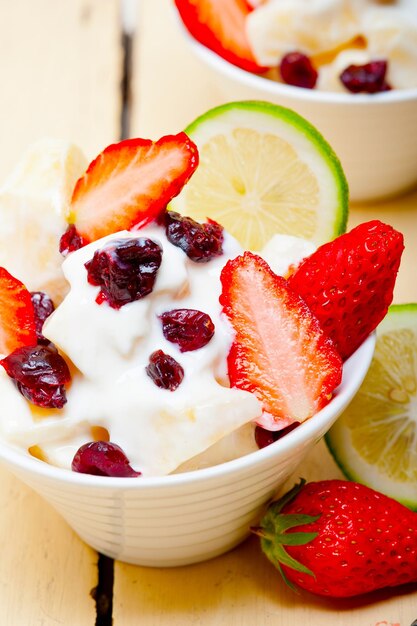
(274, 538)
(261, 532)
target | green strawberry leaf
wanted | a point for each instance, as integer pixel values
(273, 535)
(285, 579)
(295, 539)
(285, 521)
(287, 497)
(278, 555)
(273, 527)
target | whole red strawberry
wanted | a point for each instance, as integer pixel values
(348, 283)
(339, 539)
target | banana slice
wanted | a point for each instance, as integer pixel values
(34, 203)
(392, 35)
(310, 26)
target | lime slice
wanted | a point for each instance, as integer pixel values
(264, 170)
(375, 440)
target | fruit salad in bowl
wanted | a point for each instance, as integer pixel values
(345, 59)
(182, 372)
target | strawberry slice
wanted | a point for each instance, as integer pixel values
(220, 25)
(17, 315)
(348, 283)
(279, 353)
(130, 183)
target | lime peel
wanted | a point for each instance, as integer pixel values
(265, 169)
(374, 441)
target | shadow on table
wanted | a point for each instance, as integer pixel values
(241, 582)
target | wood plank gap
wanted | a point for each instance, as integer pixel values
(103, 593)
(126, 110)
(129, 14)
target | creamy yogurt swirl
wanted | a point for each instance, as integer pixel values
(108, 350)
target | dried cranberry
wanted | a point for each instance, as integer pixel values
(297, 69)
(200, 242)
(164, 370)
(188, 328)
(43, 307)
(125, 269)
(265, 437)
(40, 374)
(368, 78)
(102, 458)
(71, 241)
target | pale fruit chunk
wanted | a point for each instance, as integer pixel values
(311, 26)
(34, 204)
(392, 35)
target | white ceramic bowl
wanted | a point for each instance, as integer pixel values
(375, 136)
(182, 518)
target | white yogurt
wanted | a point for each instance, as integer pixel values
(108, 350)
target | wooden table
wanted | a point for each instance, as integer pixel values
(61, 68)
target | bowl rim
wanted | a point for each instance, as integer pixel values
(357, 365)
(271, 87)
